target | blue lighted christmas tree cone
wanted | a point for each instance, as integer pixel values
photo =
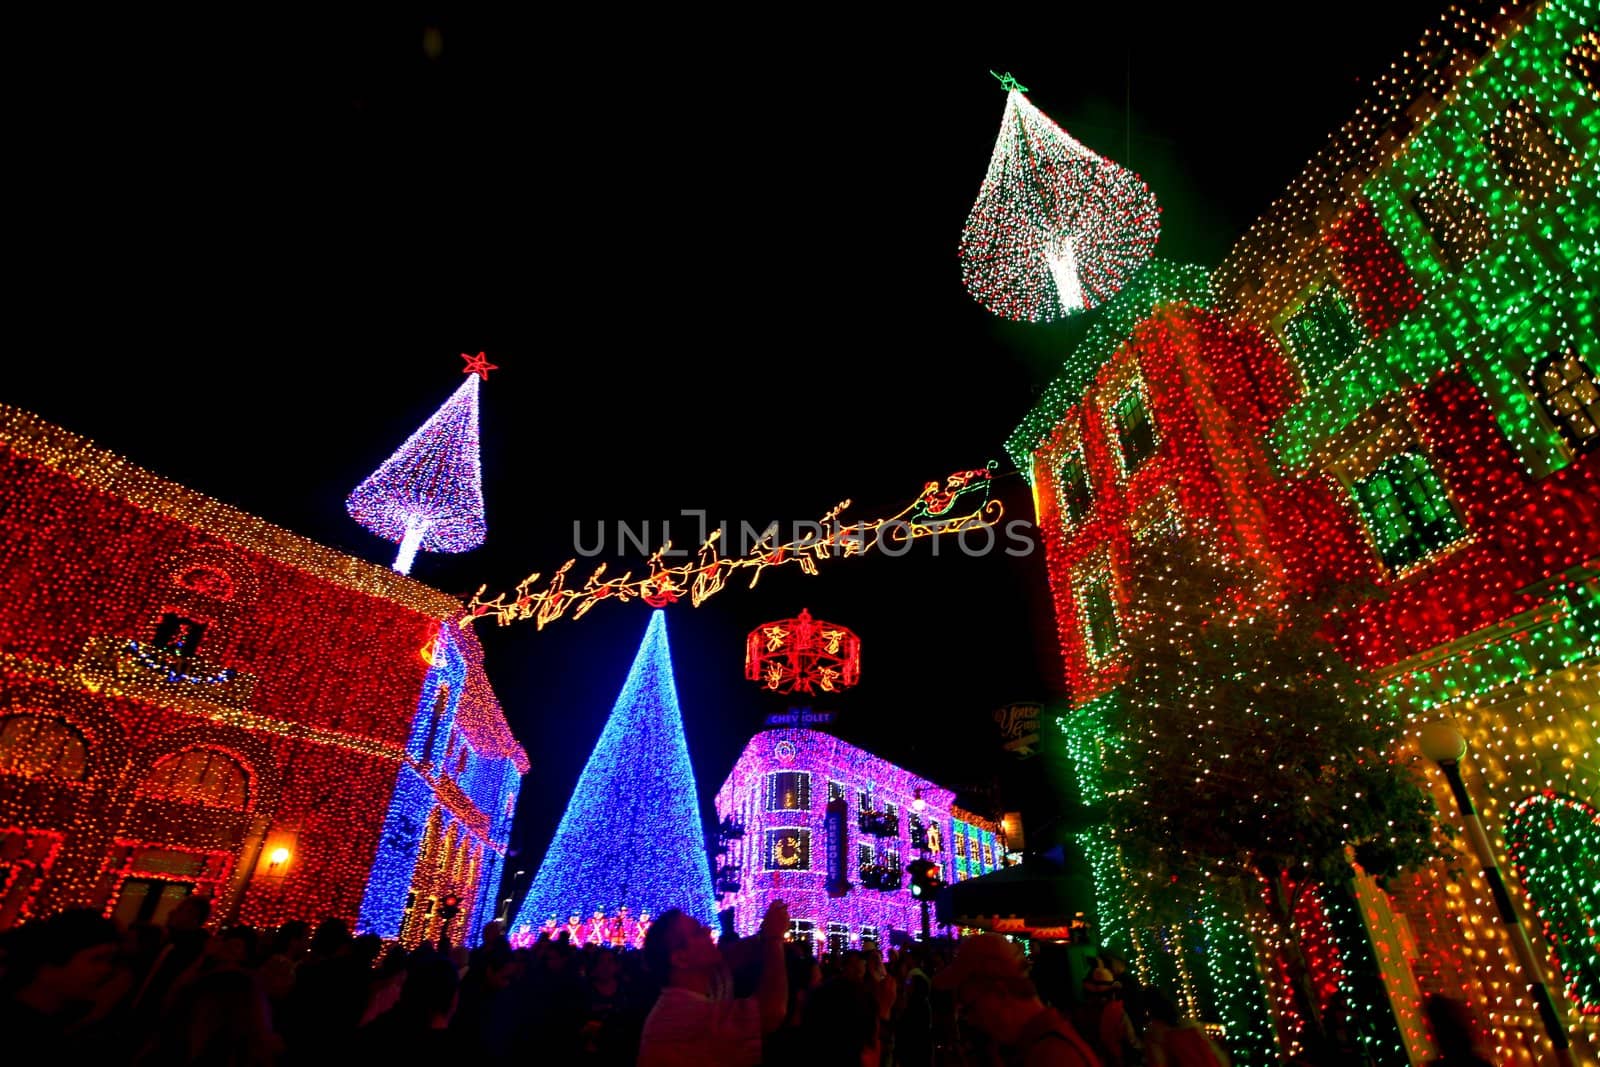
(429, 494)
(631, 835)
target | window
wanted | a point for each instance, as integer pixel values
(1072, 486)
(1136, 435)
(838, 938)
(441, 703)
(870, 933)
(1552, 839)
(1405, 507)
(42, 746)
(1097, 611)
(864, 856)
(1533, 160)
(835, 791)
(1321, 335)
(1457, 225)
(961, 845)
(179, 633)
(1569, 392)
(202, 776)
(789, 791)
(803, 931)
(935, 838)
(988, 855)
(789, 849)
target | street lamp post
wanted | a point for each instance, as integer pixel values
(505, 907)
(1443, 744)
(919, 805)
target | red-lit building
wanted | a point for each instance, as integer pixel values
(1391, 382)
(195, 701)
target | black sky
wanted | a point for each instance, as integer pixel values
(715, 259)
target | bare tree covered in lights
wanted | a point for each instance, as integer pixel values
(1251, 757)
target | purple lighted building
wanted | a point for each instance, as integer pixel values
(780, 790)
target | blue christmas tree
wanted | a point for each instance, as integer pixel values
(631, 835)
(429, 494)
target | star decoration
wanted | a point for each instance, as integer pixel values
(479, 365)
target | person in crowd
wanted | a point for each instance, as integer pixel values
(1128, 989)
(330, 991)
(184, 944)
(913, 1039)
(1103, 1022)
(51, 971)
(416, 1029)
(219, 1018)
(383, 988)
(844, 1024)
(486, 1018)
(687, 1026)
(552, 996)
(993, 994)
(1452, 1025)
(606, 1031)
(1169, 1042)
(290, 944)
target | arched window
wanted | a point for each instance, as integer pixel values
(42, 746)
(207, 581)
(1553, 841)
(1569, 392)
(204, 776)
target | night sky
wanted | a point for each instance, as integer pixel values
(715, 275)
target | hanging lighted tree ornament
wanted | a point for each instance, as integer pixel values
(1056, 228)
(429, 494)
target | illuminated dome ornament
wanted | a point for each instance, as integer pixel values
(1056, 228)
(802, 655)
(429, 494)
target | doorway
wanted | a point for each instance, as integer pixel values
(148, 900)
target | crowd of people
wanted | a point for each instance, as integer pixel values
(187, 993)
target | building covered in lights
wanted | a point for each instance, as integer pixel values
(193, 701)
(841, 887)
(1391, 379)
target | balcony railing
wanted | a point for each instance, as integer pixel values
(883, 879)
(879, 823)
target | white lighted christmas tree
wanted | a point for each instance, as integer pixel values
(429, 494)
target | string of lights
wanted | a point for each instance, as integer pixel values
(934, 512)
